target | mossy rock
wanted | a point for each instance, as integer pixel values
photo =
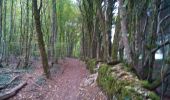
(114, 87)
(147, 85)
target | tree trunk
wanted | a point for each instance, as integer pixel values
(40, 38)
(27, 36)
(54, 28)
(116, 39)
(109, 24)
(5, 36)
(1, 1)
(124, 30)
(11, 21)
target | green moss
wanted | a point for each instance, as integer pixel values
(153, 85)
(105, 81)
(127, 66)
(112, 86)
(127, 94)
(91, 64)
(145, 83)
(154, 96)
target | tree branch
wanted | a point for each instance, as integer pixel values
(12, 92)
(9, 82)
(160, 46)
(163, 19)
(164, 8)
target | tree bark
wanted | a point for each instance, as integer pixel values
(124, 30)
(54, 28)
(116, 39)
(1, 1)
(109, 24)
(27, 37)
(12, 92)
(40, 38)
(5, 32)
(11, 21)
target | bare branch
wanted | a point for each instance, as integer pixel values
(161, 21)
(165, 18)
(9, 82)
(164, 8)
(12, 92)
(160, 46)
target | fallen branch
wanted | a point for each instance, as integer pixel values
(12, 71)
(2, 87)
(12, 92)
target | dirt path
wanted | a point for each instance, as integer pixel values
(63, 86)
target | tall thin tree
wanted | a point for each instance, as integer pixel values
(40, 37)
(54, 28)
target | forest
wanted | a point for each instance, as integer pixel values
(84, 49)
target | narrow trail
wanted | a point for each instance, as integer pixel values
(68, 83)
(63, 86)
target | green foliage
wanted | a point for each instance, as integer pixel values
(91, 64)
(153, 85)
(105, 81)
(128, 67)
(145, 84)
(154, 96)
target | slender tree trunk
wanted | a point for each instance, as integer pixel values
(124, 30)
(5, 36)
(40, 37)
(109, 24)
(11, 21)
(21, 26)
(1, 1)
(116, 39)
(54, 28)
(27, 36)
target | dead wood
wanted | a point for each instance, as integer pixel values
(12, 92)
(11, 71)
(13, 79)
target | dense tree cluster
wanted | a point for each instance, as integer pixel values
(141, 31)
(56, 29)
